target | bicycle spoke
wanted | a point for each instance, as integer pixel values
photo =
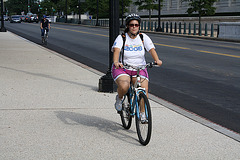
(126, 117)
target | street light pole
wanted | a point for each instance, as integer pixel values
(79, 11)
(97, 24)
(122, 26)
(106, 82)
(159, 29)
(3, 29)
(66, 11)
(28, 6)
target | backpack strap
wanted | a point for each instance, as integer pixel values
(141, 36)
(124, 40)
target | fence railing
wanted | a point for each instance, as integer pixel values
(184, 28)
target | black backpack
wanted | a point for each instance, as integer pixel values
(124, 40)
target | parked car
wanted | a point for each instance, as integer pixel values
(15, 19)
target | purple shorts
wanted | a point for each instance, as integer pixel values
(120, 71)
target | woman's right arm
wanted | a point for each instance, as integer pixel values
(116, 53)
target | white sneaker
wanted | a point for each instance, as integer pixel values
(118, 103)
(143, 117)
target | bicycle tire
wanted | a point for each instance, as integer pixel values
(144, 130)
(45, 41)
(125, 115)
(45, 38)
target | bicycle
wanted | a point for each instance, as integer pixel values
(134, 99)
(45, 37)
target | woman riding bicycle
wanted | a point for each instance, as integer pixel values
(45, 24)
(134, 51)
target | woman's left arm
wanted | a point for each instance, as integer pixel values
(155, 56)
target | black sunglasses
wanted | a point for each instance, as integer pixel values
(132, 25)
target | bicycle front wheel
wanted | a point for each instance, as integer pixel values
(144, 127)
(45, 39)
(125, 114)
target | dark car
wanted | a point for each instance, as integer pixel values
(15, 19)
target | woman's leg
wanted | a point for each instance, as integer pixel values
(123, 83)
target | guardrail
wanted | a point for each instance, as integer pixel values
(210, 30)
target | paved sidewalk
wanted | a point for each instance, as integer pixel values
(50, 109)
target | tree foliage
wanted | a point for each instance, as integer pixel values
(104, 7)
(148, 5)
(16, 6)
(202, 7)
(58, 7)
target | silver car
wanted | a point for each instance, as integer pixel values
(49, 19)
(15, 19)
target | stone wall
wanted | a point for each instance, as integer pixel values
(229, 30)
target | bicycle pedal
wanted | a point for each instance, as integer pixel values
(144, 122)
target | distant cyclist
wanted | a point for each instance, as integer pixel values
(45, 24)
(134, 54)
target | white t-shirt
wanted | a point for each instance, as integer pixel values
(134, 51)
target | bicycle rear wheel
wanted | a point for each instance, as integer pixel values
(144, 129)
(126, 117)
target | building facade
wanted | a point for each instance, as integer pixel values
(177, 7)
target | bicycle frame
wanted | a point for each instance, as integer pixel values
(134, 91)
(45, 32)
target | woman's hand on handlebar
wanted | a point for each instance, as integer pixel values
(118, 64)
(158, 62)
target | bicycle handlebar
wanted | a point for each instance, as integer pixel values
(149, 65)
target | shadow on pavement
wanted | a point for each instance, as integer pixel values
(110, 127)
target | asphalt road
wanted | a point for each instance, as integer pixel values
(201, 76)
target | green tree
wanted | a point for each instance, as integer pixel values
(202, 7)
(47, 8)
(149, 5)
(16, 6)
(126, 3)
(72, 6)
(103, 9)
(91, 7)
